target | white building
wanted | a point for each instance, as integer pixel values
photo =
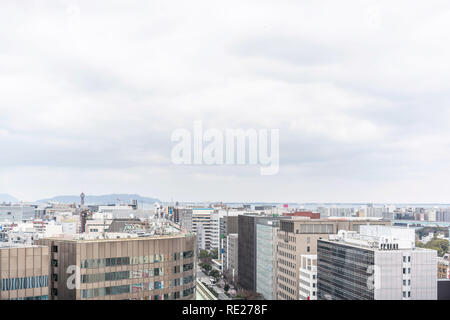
(308, 277)
(379, 263)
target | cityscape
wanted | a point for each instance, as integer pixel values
(225, 158)
(135, 250)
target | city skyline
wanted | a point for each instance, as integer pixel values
(92, 92)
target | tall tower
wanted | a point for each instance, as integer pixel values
(82, 198)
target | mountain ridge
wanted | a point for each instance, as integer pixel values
(101, 199)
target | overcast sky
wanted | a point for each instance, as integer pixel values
(91, 91)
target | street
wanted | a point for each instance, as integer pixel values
(204, 278)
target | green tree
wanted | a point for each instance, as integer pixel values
(215, 274)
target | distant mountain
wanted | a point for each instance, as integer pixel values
(7, 198)
(102, 199)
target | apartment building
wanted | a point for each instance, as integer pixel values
(299, 236)
(378, 263)
(122, 266)
(308, 277)
(24, 272)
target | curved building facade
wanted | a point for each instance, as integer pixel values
(122, 266)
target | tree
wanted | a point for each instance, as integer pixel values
(203, 254)
(440, 245)
(205, 267)
(215, 274)
(214, 254)
(249, 295)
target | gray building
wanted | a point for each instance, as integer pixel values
(247, 248)
(379, 263)
(230, 256)
(16, 213)
(185, 218)
(230, 224)
(266, 258)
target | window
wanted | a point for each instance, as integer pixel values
(404, 259)
(54, 292)
(404, 270)
(54, 262)
(404, 294)
(409, 259)
(308, 249)
(54, 277)
(54, 248)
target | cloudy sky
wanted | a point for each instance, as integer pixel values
(91, 91)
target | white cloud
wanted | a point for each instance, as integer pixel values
(91, 91)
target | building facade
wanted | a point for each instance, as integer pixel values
(266, 257)
(308, 277)
(248, 247)
(299, 236)
(24, 272)
(120, 266)
(384, 265)
(16, 213)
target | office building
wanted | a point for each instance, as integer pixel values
(248, 245)
(123, 266)
(205, 223)
(378, 263)
(24, 272)
(299, 236)
(266, 257)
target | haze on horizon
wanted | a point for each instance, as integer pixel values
(90, 92)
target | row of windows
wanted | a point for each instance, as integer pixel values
(286, 263)
(45, 297)
(286, 254)
(120, 261)
(123, 261)
(122, 275)
(284, 296)
(101, 292)
(133, 288)
(287, 272)
(24, 283)
(287, 289)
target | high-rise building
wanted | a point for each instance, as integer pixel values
(205, 223)
(378, 263)
(248, 247)
(24, 272)
(266, 257)
(118, 266)
(299, 236)
(230, 263)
